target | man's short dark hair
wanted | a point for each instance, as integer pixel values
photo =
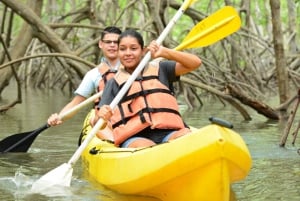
(110, 29)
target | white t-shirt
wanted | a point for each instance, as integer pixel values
(90, 82)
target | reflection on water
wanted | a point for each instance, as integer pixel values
(275, 174)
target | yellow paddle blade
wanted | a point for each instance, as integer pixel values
(212, 29)
(187, 4)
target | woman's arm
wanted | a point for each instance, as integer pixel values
(185, 62)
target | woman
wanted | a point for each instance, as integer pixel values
(148, 114)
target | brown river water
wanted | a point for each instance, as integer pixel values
(274, 176)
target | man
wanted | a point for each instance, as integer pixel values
(95, 79)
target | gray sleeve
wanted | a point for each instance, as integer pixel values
(167, 73)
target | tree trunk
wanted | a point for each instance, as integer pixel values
(19, 45)
(292, 43)
(281, 64)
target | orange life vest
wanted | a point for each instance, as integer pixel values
(147, 103)
(107, 73)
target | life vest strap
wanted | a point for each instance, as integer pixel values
(140, 113)
(104, 75)
(146, 92)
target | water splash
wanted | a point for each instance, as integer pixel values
(17, 186)
(22, 181)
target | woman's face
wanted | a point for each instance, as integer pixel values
(130, 52)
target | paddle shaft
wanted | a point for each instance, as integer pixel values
(76, 108)
(127, 85)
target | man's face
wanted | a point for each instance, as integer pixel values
(109, 45)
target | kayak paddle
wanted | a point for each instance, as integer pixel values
(62, 174)
(21, 142)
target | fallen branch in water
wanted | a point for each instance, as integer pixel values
(260, 107)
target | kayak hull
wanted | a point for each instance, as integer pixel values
(198, 166)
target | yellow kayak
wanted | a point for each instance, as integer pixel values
(200, 166)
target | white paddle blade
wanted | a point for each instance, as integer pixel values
(60, 176)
